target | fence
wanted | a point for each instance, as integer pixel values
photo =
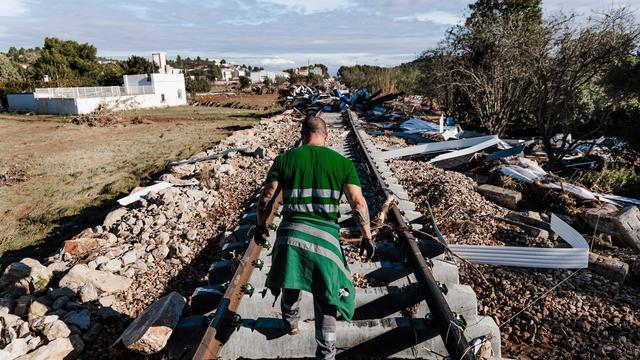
(91, 92)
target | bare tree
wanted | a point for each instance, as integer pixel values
(493, 70)
(569, 61)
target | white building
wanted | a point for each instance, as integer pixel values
(138, 92)
(227, 74)
(260, 76)
(160, 59)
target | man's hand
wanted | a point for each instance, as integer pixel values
(367, 248)
(260, 235)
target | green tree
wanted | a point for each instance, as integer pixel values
(244, 82)
(197, 85)
(482, 11)
(111, 75)
(8, 71)
(13, 53)
(215, 73)
(66, 62)
(138, 65)
(267, 82)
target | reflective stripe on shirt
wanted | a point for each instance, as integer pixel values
(319, 193)
(305, 208)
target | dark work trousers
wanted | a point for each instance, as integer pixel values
(325, 319)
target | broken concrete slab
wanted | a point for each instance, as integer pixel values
(628, 220)
(501, 196)
(623, 225)
(609, 267)
(26, 276)
(81, 274)
(149, 333)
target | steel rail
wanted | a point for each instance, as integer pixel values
(222, 325)
(452, 336)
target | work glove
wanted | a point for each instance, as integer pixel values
(367, 248)
(260, 235)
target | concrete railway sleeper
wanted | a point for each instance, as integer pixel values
(410, 306)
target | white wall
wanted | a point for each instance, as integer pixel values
(136, 80)
(171, 86)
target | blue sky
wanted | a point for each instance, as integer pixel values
(272, 33)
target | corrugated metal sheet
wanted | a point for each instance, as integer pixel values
(576, 257)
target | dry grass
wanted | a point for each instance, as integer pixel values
(72, 173)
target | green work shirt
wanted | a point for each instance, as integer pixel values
(312, 178)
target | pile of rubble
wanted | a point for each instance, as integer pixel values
(81, 300)
(104, 116)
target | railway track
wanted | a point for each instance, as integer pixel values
(409, 302)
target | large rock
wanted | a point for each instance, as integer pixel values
(26, 276)
(17, 348)
(58, 349)
(37, 309)
(149, 333)
(624, 225)
(81, 245)
(113, 217)
(81, 319)
(80, 275)
(56, 330)
(501, 196)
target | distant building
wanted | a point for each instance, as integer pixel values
(227, 74)
(316, 70)
(161, 89)
(239, 72)
(302, 72)
(260, 76)
(160, 59)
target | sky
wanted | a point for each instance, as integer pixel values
(274, 34)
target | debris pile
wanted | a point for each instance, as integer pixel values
(104, 116)
(81, 300)
(463, 215)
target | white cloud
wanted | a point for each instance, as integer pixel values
(276, 61)
(310, 7)
(436, 17)
(12, 8)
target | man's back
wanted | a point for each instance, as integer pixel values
(312, 180)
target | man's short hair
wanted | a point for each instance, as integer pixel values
(314, 125)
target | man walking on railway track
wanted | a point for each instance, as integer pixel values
(307, 255)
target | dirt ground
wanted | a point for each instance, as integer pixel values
(67, 174)
(239, 101)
